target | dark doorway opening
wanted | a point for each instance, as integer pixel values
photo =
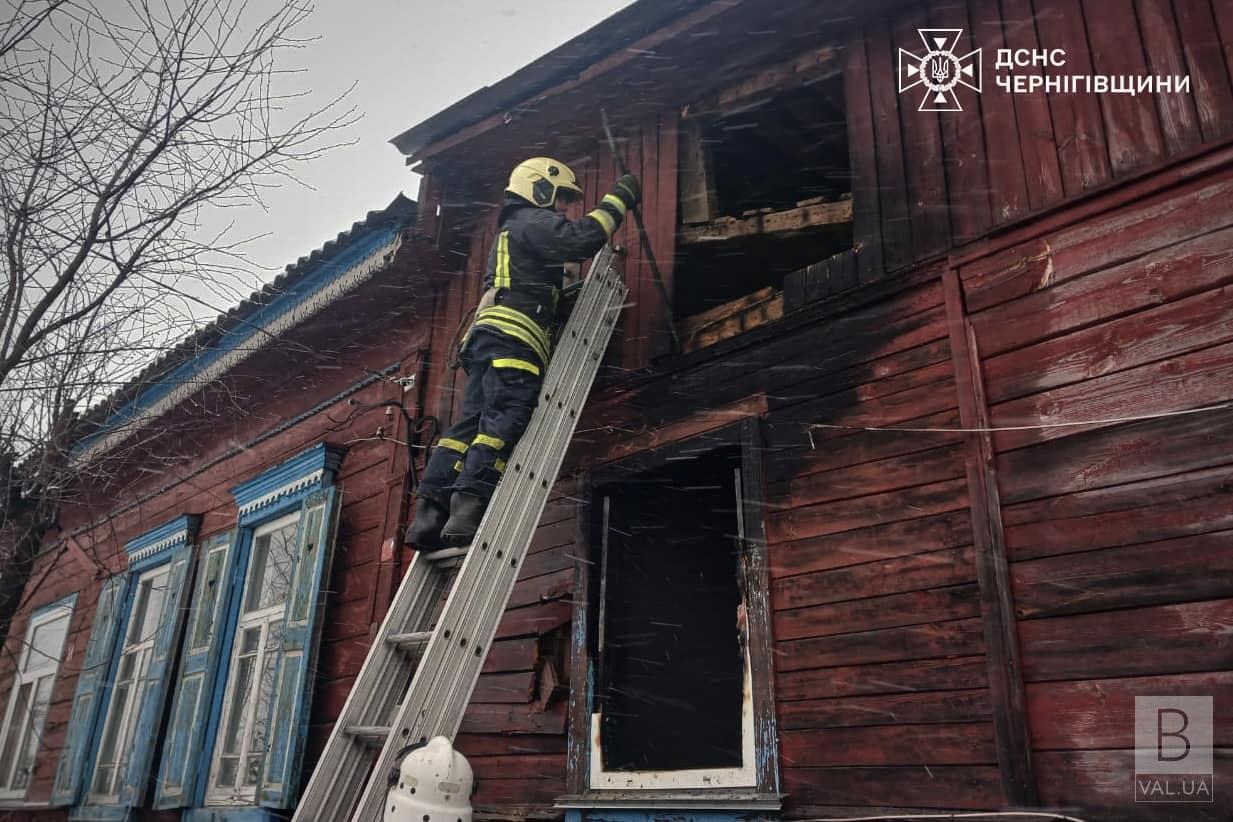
(671, 675)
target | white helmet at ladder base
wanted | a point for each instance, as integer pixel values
(434, 784)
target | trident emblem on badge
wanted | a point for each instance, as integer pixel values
(940, 70)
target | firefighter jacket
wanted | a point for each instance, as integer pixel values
(526, 266)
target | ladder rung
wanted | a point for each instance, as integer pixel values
(447, 553)
(413, 643)
(371, 735)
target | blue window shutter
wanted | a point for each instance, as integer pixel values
(150, 712)
(203, 641)
(89, 692)
(301, 634)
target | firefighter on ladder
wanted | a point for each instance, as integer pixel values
(507, 348)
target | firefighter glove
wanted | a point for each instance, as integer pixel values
(627, 190)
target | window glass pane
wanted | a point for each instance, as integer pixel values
(137, 620)
(46, 643)
(208, 598)
(16, 725)
(34, 733)
(270, 573)
(265, 690)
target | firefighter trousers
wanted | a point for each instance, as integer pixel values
(502, 389)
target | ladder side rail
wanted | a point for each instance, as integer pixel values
(517, 512)
(368, 702)
(592, 320)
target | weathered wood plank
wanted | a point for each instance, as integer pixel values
(1100, 713)
(866, 217)
(884, 678)
(1158, 219)
(917, 572)
(872, 544)
(974, 787)
(923, 157)
(1213, 95)
(1076, 117)
(1008, 188)
(888, 146)
(1192, 380)
(1170, 273)
(881, 745)
(961, 637)
(1042, 173)
(1132, 132)
(1166, 639)
(871, 478)
(967, 172)
(1164, 333)
(800, 218)
(1179, 123)
(1113, 456)
(487, 718)
(872, 613)
(1101, 785)
(1161, 508)
(1153, 573)
(944, 707)
(996, 597)
(847, 515)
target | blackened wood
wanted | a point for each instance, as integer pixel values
(842, 271)
(1014, 753)
(888, 147)
(866, 217)
(1158, 508)
(918, 572)
(1162, 639)
(697, 178)
(921, 136)
(1155, 573)
(967, 172)
(579, 727)
(1111, 456)
(755, 581)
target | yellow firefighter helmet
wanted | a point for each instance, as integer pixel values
(541, 180)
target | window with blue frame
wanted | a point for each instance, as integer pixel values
(30, 695)
(104, 770)
(240, 713)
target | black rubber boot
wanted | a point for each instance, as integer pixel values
(425, 530)
(466, 511)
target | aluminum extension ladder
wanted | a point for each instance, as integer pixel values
(425, 660)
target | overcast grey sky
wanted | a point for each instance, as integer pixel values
(409, 59)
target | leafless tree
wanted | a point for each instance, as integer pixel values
(123, 124)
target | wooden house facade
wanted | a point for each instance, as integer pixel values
(930, 491)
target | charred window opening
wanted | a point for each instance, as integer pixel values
(671, 675)
(765, 189)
